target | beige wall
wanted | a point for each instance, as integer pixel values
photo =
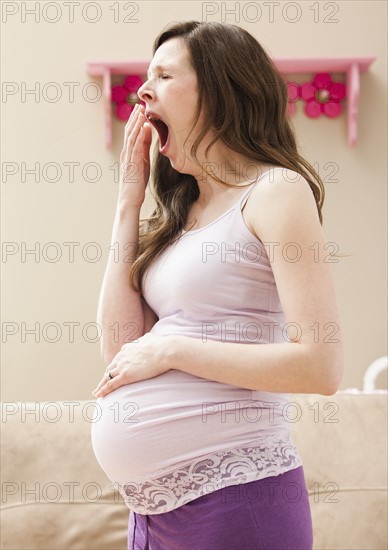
(35, 130)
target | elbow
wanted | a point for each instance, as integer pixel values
(334, 371)
(328, 370)
(329, 390)
(333, 387)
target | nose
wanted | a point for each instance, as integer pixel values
(145, 92)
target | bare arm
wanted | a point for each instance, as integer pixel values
(123, 315)
(120, 310)
(313, 360)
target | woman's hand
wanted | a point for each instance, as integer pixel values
(144, 358)
(135, 158)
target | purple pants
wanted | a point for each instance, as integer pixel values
(269, 514)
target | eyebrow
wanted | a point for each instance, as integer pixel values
(159, 67)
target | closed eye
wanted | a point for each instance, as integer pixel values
(164, 76)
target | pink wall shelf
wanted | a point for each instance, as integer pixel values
(351, 66)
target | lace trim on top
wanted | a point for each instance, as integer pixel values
(271, 457)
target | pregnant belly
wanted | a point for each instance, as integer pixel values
(146, 428)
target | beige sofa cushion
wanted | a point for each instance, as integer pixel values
(55, 495)
(343, 443)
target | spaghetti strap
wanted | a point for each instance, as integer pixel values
(245, 195)
(235, 207)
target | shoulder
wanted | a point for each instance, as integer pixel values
(284, 216)
(281, 202)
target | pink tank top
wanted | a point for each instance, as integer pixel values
(217, 283)
(185, 436)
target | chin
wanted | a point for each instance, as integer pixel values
(181, 169)
(181, 163)
(178, 166)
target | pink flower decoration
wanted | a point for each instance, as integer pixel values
(322, 95)
(126, 97)
(293, 96)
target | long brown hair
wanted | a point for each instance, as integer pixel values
(246, 101)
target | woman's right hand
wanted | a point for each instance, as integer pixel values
(135, 158)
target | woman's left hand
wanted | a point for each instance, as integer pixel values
(143, 358)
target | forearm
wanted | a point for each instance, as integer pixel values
(280, 367)
(120, 313)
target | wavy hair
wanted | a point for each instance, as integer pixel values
(246, 101)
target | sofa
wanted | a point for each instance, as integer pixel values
(55, 495)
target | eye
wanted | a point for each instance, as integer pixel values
(164, 76)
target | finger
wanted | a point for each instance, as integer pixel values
(133, 121)
(113, 371)
(147, 142)
(129, 127)
(132, 117)
(101, 386)
(113, 384)
(131, 135)
(142, 145)
(141, 119)
(135, 134)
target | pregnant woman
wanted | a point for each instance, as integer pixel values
(220, 305)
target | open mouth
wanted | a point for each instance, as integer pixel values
(161, 127)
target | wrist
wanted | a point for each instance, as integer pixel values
(170, 352)
(124, 208)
